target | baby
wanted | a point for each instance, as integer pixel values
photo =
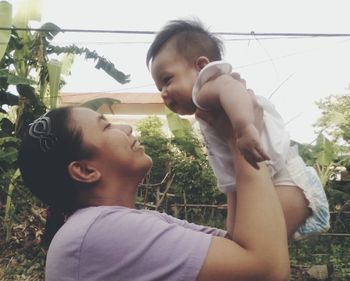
(185, 63)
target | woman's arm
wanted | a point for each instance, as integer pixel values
(259, 250)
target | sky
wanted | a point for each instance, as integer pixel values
(293, 73)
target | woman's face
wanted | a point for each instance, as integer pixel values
(113, 147)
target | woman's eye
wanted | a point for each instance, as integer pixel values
(108, 125)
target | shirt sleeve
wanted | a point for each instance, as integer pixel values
(211, 70)
(139, 246)
(196, 227)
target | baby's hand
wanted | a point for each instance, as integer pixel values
(249, 144)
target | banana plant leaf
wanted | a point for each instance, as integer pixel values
(26, 91)
(326, 155)
(5, 21)
(96, 104)
(54, 67)
(6, 140)
(27, 10)
(8, 98)
(16, 80)
(178, 126)
(8, 155)
(110, 69)
(51, 30)
(183, 132)
(102, 63)
(7, 127)
(67, 63)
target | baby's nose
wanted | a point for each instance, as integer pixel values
(163, 93)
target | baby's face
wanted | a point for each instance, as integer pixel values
(174, 78)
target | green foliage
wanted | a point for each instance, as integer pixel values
(22, 256)
(184, 136)
(184, 156)
(327, 155)
(30, 77)
(102, 62)
(5, 21)
(192, 180)
(157, 145)
(335, 119)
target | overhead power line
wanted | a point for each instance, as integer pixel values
(154, 32)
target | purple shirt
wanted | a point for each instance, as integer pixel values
(117, 243)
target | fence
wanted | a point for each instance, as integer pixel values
(323, 257)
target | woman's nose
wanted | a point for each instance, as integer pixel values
(126, 128)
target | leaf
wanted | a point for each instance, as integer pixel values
(16, 80)
(54, 67)
(7, 126)
(67, 62)
(5, 140)
(9, 204)
(8, 98)
(337, 118)
(102, 63)
(26, 91)
(5, 21)
(326, 152)
(11, 99)
(27, 10)
(110, 69)
(179, 127)
(95, 104)
(8, 155)
(51, 30)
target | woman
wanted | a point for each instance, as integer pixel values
(78, 163)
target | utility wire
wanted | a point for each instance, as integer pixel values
(154, 32)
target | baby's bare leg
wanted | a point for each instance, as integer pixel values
(294, 205)
(293, 202)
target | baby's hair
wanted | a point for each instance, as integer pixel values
(191, 40)
(45, 171)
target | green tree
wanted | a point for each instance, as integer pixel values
(157, 145)
(335, 118)
(30, 79)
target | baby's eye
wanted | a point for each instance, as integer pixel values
(166, 80)
(108, 125)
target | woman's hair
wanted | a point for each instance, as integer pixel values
(50, 144)
(191, 40)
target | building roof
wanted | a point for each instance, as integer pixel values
(74, 98)
(130, 103)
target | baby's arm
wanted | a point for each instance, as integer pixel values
(224, 92)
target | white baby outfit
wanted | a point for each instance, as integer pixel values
(286, 167)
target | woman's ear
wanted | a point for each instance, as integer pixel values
(201, 62)
(83, 172)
